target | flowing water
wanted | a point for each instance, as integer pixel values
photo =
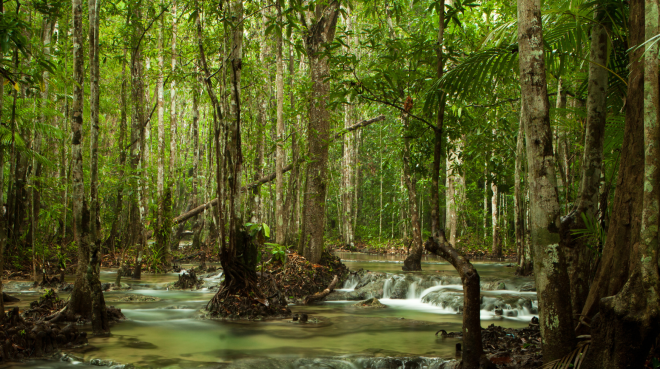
(168, 332)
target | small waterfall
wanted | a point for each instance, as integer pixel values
(387, 288)
(412, 291)
(350, 284)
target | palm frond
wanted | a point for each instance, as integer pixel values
(573, 360)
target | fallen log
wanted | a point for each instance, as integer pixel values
(319, 295)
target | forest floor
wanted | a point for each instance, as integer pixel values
(32, 335)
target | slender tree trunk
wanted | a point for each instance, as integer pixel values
(473, 354)
(438, 130)
(321, 33)
(161, 223)
(549, 265)
(138, 136)
(173, 121)
(524, 259)
(414, 260)
(497, 243)
(279, 164)
(579, 256)
(292, 194)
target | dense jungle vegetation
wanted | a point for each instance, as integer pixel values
(454, 127)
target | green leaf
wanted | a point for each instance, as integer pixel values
(266, 230)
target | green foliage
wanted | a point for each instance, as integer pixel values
(278, 251)
(593, 232)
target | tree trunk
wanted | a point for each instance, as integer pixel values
(628, 324)
(578, 254)
(162, 229)
(414, 260)
(438, 131)
(81, 296)
(99, 314)
(138, 156)
(549, 265)
(524, 258)
(292, 194)
(321, 33)
(496, 248)
(625, 225)
(473, 354)
(279, 181)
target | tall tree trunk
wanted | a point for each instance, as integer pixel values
(99, 314)
(625, 225)
(279, 157)
(173, 122)
(3, 217)
(628, 323)
(173, 127)
(196, 199)
(549, 265)
(438, 130)
(320, 33)
(578, 254)
(138, 137)
(81, 296)
(292, 194)
(414, 260)
(162, 239)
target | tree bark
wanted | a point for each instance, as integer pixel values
(138, 156)
(81, 302)
(279, 164)
(413, 261)
(496, 248)
(579, 256)
(161, 238)
(524, 261)
(549, 265)
(473, 354)
(321, 32)
(628, 323)
(438, 131)
(99, 314)
(624, 228)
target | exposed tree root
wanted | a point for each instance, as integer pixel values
(320, 295)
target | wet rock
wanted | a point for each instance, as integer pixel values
(528, 287)
(100, 362)
(7, 298)
(188, 280)
(371, 303)
(446, 299)
(138, 298)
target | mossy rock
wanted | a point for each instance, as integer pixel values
(371, 303)
(137, 298)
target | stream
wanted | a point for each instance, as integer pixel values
(168, 332)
